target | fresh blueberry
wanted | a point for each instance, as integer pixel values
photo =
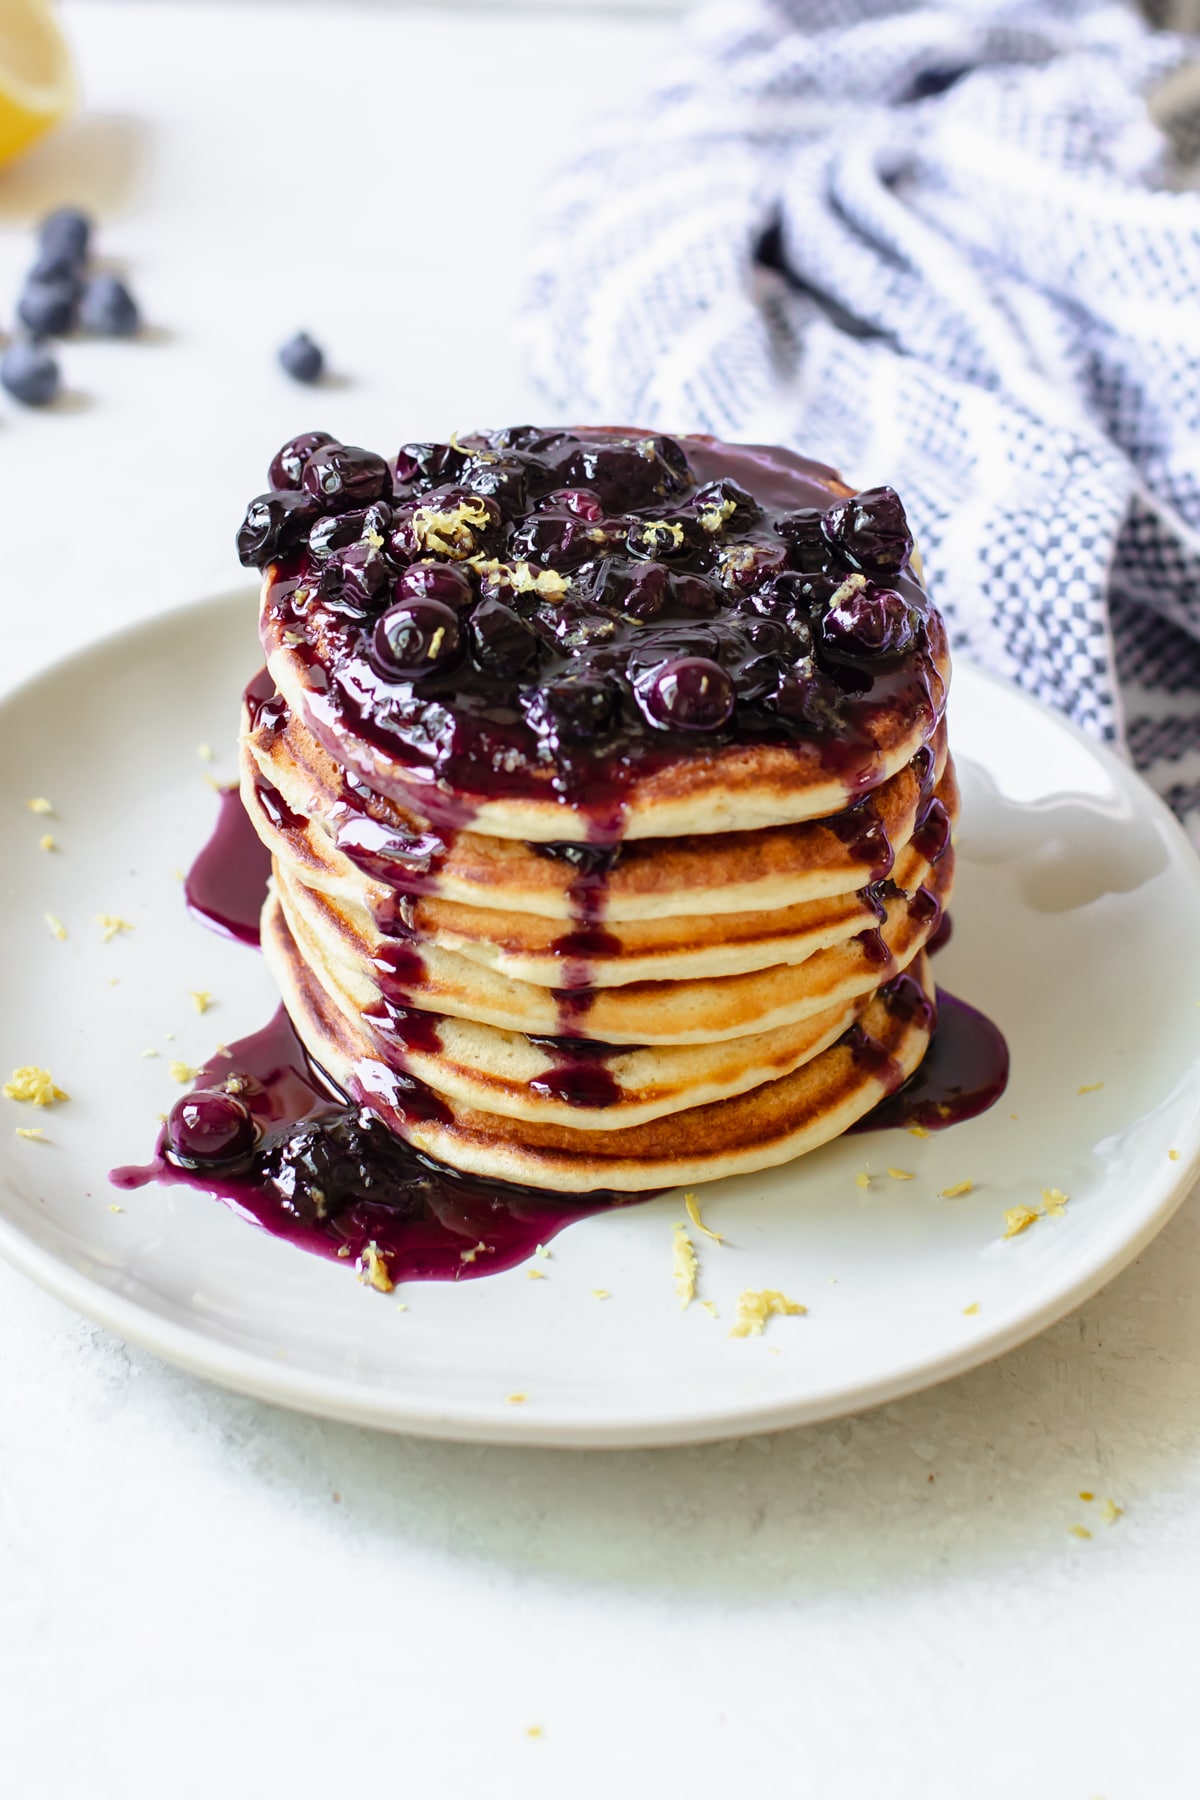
(501, 641)
(52, 265)
(287, 465)
(274, 524)
(444, 582)
(47, 308)
(108, 309)
(30, 373)
(416, 638)
(868, 621)
(688, 693)
(65, 235)
(209, 1127)
(342, 476)
(871, 531)
(301, 358)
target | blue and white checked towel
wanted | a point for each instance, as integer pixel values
(952, 247)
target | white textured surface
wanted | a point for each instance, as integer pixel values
(185, 1608)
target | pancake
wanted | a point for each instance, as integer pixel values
(338, 937)
(302, 806)
(564, 1080)
(769, 1124)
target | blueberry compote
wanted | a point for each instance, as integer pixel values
(264, 1132)
(548, 614)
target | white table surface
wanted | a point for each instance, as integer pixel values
(200, 1595)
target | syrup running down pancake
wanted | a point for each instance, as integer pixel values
(605, 782)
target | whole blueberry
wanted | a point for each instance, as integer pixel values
(50, 265)
(868, 621)
(336, 531)
(444, 582)
(47, 308)
(274, 524)
(574, 709)
(552, 540)
(287, 465)
(209, 1127)
(108, 309)
(579, 501)
(342, 476)
(429, 465)
(501, 641)
(647, 592)
(693, 595)
(65, 234)
(724, 506)
(301, 358)
(30, 373)
(668, 539)
(809, 548)
(688, 693)
(870, 530)
(416, 638)
(504, 479)
(357, 575)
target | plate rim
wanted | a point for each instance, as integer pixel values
(244, 1371)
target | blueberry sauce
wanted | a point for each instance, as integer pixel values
(963, 1072)
(552, 614)
(227, 883)
(577, 1076)
(327, 1176)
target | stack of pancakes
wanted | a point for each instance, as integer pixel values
(733, 976)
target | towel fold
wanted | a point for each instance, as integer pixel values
(955, 248)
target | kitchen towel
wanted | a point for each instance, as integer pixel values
(951, 247)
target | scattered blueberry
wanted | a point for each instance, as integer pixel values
(209, 1127)
(65, 236)
(869, 621)
(30, 373)
(689, 693)
(416, 638)
(871, 531)
(341, 476)
(47, 308)
(274, 524)
(287, 465)
(108, 309)
(302, 359)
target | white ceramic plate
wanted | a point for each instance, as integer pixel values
(1075, 929)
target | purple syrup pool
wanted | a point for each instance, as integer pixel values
(964, 1071)
(382, 1206)
(227, 883)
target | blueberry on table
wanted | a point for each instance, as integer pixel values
(274, 524)
(287, 465)
(341, 476)
(65, 235)
(871, 531)
(30, 373)
(47, 308)
(415, 639)
(108, 309)
(689, 693)
(209, 1127)
(302, 359)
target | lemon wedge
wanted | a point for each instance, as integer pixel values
(36, 86)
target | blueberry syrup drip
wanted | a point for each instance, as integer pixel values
(226, 885)
(865, 836)
(328, 1177)
(577, 1076)
(964, 1070)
